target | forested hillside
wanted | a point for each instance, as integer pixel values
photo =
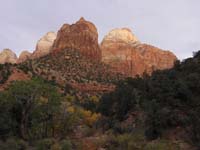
(165, 101)
(152, 112)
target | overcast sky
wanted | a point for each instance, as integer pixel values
(169, 24)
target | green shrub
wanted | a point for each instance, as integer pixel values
(45, 144)
(127, 142)
(5, 72)
(66, 145)
(56, 146)
(13, 144)
(161, 145)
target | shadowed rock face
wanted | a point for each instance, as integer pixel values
(81, 36)
(44, 45)
(123, 51)
(7, 56)
(25, 55)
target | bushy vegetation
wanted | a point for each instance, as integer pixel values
(168, 98)
(31, 111)
(34, 114)
(26, 67)
(129, 141)
(39, 114)
(69, 65)
(28, 109)
(4, 72)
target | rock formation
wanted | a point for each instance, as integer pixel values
(123, 35)
(81, 36)
(124, 52)
(157, 58)
(7, 56)
(25, 55)
(44, 45)
(120, 49)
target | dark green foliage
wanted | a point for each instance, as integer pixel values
(13, 144)
(69, 66)
(66, 145)
(52, 144)
(5, 71)
(28, 109)
(45, 144)
(25, 68)
(6, 121)
(126, 97)
(169, 98)
(35, 112)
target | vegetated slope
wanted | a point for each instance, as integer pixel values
(70, 67)
(89, 79)
(164, 105)
(168, 101)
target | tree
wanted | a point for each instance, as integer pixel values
(32, 106)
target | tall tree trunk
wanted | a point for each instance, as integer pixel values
(23, 126)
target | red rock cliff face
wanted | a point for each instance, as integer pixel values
(156, 58)
(126, 54)
(80, 36)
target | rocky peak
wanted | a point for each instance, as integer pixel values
(125, 54)
(82, 19)
(44, 45)
(81, 36)
(7, 56)
(86, 25)
(25, 55)
(121, 34)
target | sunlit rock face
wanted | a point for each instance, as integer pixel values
(123, 35)
(7, 56)
(44, 45)
(126, 54)
(81, 36)
(25, 55)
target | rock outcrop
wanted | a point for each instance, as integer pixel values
(44, 45)
(8, 56)
(126, 54)
(156, 58)
(25, 55)
(123, 35)
(81, 36)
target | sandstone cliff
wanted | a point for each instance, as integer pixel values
(7, 56)
(126, 54)
(81, 36)
(44, 45)
(123, 35)
(25, 55)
